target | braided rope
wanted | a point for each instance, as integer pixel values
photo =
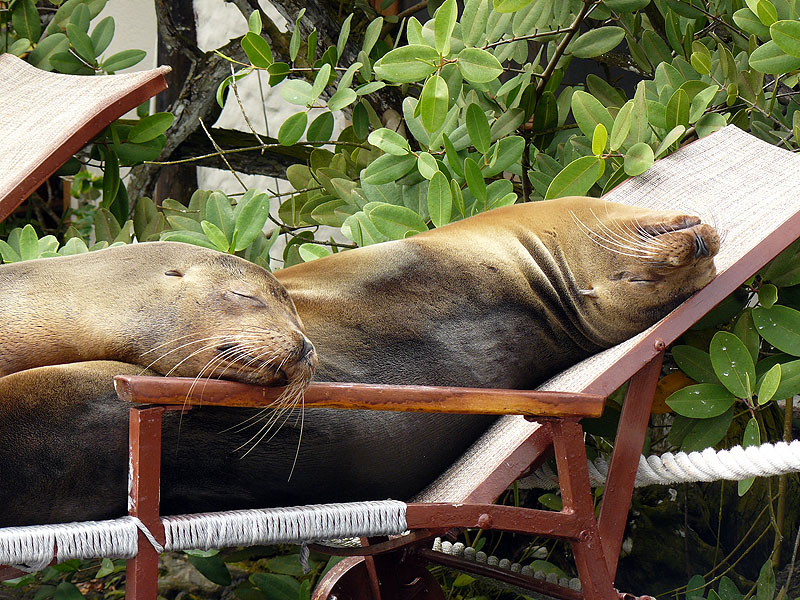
(709, 465)
(32, 548)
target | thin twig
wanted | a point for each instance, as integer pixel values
(410, 11)
(588, 5)
(222, 154)
(235, 89)
(530, 36)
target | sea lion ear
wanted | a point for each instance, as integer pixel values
(173, 273)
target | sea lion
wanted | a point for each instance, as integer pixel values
(503, 299)
(175, 308)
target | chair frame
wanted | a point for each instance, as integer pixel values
(596, 543)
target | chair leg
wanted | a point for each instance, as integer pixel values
(576, 495)
(399, 578)
(625, 458)
(143, 503)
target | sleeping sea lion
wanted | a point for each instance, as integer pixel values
(503, 299)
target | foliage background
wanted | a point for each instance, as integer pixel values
(468, 107)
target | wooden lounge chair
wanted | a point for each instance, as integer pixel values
(746, 187)
(45, 118)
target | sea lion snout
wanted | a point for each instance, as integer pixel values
(687, 246)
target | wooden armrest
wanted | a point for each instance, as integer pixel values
(412, 398)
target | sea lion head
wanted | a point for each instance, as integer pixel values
(220, 316)
(178, 309)
(632, 265)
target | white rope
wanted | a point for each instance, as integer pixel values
(32, 548)
(709, 465)
(284, 525)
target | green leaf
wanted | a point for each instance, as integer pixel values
(389, 141)
(254, 24)
(440, 201)
(677, 110)
(478, 66)
(769, 384)
(122, 60)
(750, 23)
(475, 181)
(106, 565)
(597, 41)
(26, 21)
(407, 64)
(257, 49)
(626, 6)
(111, 180)
(458, 197)
(215, 236)
(297, 91)
(28, 243)
(320, 81)
(187, 237)
(510, 6)
(508, 153)
(765, 11)
(278, 72)
(506, 123)
(780, 326)
(388, 168)
(728, 590)
(294, 41)
(8, 253)
(81, 42)
(444, 21)
(341, 99)
(786, 35)
(396, 222)
(371, 34)
(576, 178)
(150, 127)
(220, 213)
(745, 330)
(750, 437)
(599, 139)
(622, 126)
(276, 587)
(765, 586)
(704, 433)
(701, 101)
(701, 61)
(309, 252)
(102, 35)
(427, 165)
(473, 21)
(769, 58)
(321, 128)
(66, 590)
(433, 102)
(733, 364)
(292, 129)
(695, 363)
(709, 123)
(588, 112)
(638, 159)
(250, 221)
(673, 136)
(478, 128)
(767, 295)
(67, 62)
(701, 401)
(344, 34)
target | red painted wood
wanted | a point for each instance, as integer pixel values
(628, 446)
(576, 495)
(77, 140)
(414, 398)
(144, 499)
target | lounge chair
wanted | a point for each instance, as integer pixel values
(47, 117)
(748, 189)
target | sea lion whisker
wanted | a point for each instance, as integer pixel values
(611, 245)
(629, 244)
(197, 341)
(594, 236)
(294, 392)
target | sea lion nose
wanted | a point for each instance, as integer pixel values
(307, 352)
(701, 247)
